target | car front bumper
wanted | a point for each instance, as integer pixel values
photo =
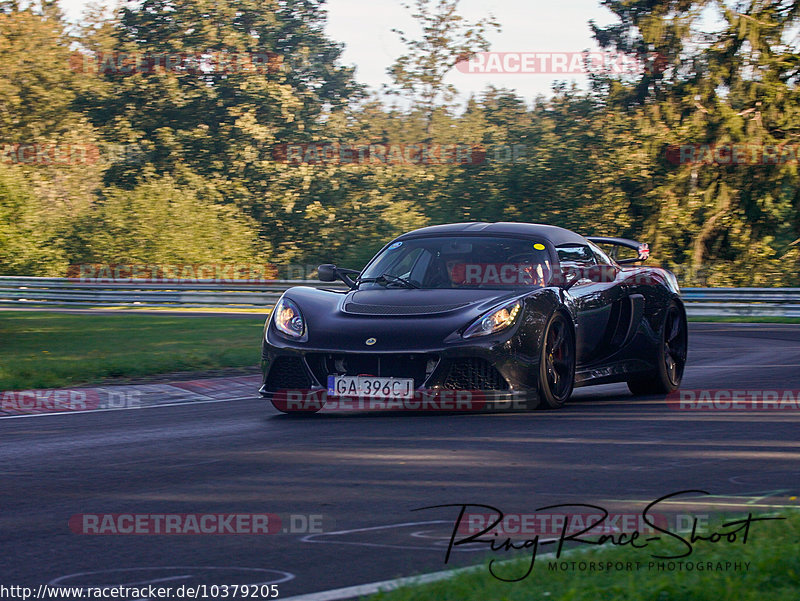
(494, 368)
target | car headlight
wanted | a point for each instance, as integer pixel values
(494, 321)
(288, 319)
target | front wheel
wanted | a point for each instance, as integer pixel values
(670, 356)
(557, 363)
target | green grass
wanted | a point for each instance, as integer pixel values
(47, 350)
(772, 549)
(746, 319)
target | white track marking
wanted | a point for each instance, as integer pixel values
(351, 592)
(739, 366)
(317, 538)
(280, 577)
(371, 588)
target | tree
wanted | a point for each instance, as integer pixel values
(162, 221)
(446, 40)
(736, 85)
(29, 241)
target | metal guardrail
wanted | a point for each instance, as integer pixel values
(38, 292)
(199, 294)
(742, 302)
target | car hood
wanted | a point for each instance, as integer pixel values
(403, 301)
(397, 318)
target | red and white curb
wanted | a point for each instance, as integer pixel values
(27, 403)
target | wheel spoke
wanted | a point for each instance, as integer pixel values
(675, 328)
(674, 347)
(558, 357)
(671, 368)
(562, 362)
(676, 354)
(550, 368)
(558, 340)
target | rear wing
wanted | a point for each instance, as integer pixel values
(642, 248)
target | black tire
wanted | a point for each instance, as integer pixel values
(557, 363)
(670, 356)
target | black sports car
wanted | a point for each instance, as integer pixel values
(508, 311)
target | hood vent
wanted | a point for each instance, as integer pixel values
(362, 309)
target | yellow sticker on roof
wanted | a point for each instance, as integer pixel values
(538, 246)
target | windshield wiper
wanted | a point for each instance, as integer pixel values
(388, 278)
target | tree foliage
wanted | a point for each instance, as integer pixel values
(210, 180)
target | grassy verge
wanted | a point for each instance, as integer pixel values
(772, 549)
(47, 350)
(145, 309)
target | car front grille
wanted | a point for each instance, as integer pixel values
(287, 373)
(395, 365)
(473, 373)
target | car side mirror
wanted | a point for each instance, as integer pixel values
(327, 273)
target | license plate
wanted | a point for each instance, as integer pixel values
(371, 386)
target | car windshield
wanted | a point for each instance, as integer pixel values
(460, 262)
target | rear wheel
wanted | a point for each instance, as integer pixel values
(670, 356)
(557, 363)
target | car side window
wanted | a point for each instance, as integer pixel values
(601, 257)
(420, 266)
(405, 265)
(575, 255)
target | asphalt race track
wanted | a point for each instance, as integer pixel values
(365, 473)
